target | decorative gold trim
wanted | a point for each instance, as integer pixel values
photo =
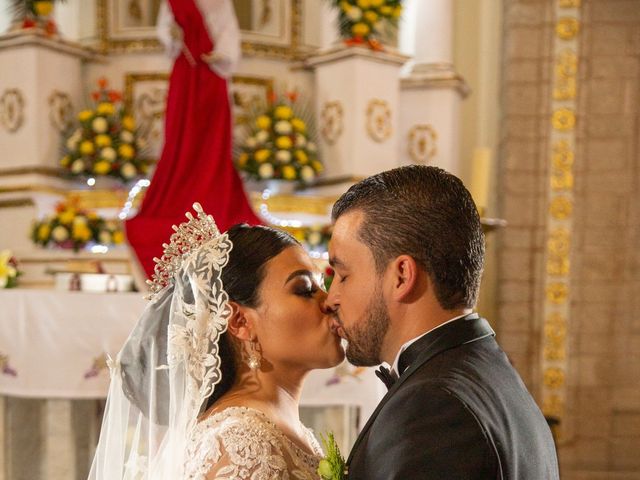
(12, 109)
(286, 203)
(37, 170)
(32, 188)
(557, 305)
(421, 143)
(331, 116)
(250, 48)
(16, 203)
(60, 110)
(378, 122)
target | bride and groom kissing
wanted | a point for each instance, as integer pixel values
(207, 385)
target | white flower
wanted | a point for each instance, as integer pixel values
(104, 237)
(126, 136)
(80, 220)
(99, 125)
(77, 166)
(108, 154)
(311, 147)
(265, 170)
(59, 234)
(307, 174)
(283, 127)
(72, 143)
(314, 238)
(128, 170)
(354, 13)
(283, 156)
(251, 142)
(301, 140)
(141, 143)
(262, 136)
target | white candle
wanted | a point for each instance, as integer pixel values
(480, 175)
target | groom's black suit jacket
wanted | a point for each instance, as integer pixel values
(458, 411)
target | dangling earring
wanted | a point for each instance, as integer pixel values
(253, 358)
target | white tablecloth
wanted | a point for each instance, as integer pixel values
(53, 344)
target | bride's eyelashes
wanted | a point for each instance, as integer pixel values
(305, 288)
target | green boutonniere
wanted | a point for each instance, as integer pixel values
(332, 466)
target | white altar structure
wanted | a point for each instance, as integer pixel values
(373, 111)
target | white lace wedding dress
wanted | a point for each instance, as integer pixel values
(242, 443)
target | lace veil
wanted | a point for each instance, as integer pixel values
(169, 365)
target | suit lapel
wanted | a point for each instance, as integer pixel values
(465, 330)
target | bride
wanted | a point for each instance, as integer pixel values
(207, 385)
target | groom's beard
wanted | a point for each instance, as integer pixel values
(365, 340)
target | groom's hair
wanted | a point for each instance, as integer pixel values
(427, 213)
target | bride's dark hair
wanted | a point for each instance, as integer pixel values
(252, 248)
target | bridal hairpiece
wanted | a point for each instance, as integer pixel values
(187, 237)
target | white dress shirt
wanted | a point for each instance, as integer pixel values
(394, 367)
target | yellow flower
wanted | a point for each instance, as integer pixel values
(6, 271)
(86, 147)
(360, 29)
(43, 8)
(376, 3)
(397, 11)
(283, 143)
(105, 108)
(64, 161)
(386, 10)
(103, 140)
(126, 151)
(66, 216)
(81, 232)
(371, 16)
(317, 166)
(298, 125)
(345, 6)
(92, 216)
(283, 112)
(364, 3)
(102, 167)
(118, 237)
(263, 122)
(44, 230)
(289, 173)
(262, 155)
(301, 156)
(243, 158)
(85, 115)
(128, 122)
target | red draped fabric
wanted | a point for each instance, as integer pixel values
(196, 164)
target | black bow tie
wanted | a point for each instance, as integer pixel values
(386, 376)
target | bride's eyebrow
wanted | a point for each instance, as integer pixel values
(299, 273)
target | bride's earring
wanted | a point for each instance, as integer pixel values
(254, 357)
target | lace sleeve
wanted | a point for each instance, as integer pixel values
(236, 448)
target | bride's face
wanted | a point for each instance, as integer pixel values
(293, 327)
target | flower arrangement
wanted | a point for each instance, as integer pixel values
(363, 21)
(74, 227)
(105, 142)
(9, 272)
(331, 467)
(35, 14)
(278, 142)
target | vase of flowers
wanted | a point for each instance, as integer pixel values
(278, 143)
(104, 142)
(74, 228)
(366, 22)
(9, 271)
(34, 14)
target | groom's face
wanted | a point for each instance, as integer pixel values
(356, 295)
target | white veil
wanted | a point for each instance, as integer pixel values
(169, 365)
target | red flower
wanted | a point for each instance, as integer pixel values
(271, 97)
(293, 96)
(102, 83)
(50, 27)
(95, 96)
(28, 23)
(329, 272)
(114, 96)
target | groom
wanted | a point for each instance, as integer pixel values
(407, 249)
